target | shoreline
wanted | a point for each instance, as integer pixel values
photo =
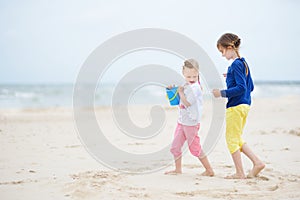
(165, 105)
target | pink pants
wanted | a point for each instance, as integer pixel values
(183, 133)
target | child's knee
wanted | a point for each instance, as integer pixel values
(196, 152)
(195, 149)
(176, 152)
(233, 147)
(234, 142)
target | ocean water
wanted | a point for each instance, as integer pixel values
(61, 95)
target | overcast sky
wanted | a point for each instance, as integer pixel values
(48, 41)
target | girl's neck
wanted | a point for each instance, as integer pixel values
(235, 56)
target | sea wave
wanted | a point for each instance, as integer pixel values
(61, 95)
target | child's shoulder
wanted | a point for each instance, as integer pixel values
(239, 60)
(238, 63)
(196, 88)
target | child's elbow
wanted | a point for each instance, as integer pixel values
(187, 104)
(242, 89)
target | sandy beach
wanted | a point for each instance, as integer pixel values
(43, 158)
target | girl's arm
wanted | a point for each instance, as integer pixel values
(182, 97)
(240, 79)
(239, 74)
(216, 92)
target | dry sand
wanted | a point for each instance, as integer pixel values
(42, 158)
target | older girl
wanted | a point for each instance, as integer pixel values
(239, 87)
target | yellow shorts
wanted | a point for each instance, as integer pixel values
(235, 122)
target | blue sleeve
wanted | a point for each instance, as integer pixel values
(239, 76)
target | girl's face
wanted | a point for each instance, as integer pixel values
(190, 75)
(228, 52)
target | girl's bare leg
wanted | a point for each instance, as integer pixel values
(208, 169)
(178, 169)
(236, 156)
(258, 165)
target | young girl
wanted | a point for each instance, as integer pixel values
(190, 109)
(239, 86)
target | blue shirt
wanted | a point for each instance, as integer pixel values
(239, 84)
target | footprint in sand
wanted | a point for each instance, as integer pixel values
(135, 192)
(263, 132)
(186, 194)
(72, 146)
(285, 149)
(18, 182)
(139, 196)
(273, 188)
(268, 169)
(12, 183)
(263, 178)
(295, 132)
(274, 131)
(87, 184)
(251, 183)
(292, 180)
(260, 178)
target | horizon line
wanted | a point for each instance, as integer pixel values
(113, 82)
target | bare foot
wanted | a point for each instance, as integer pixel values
(235, 176)
(173, 172)
(208, 173)
(256, 169)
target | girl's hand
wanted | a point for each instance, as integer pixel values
(216, 92)
(183, 99)
(170, 86)
(180, 92)
(180, 89)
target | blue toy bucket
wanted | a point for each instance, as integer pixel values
(173, 96)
